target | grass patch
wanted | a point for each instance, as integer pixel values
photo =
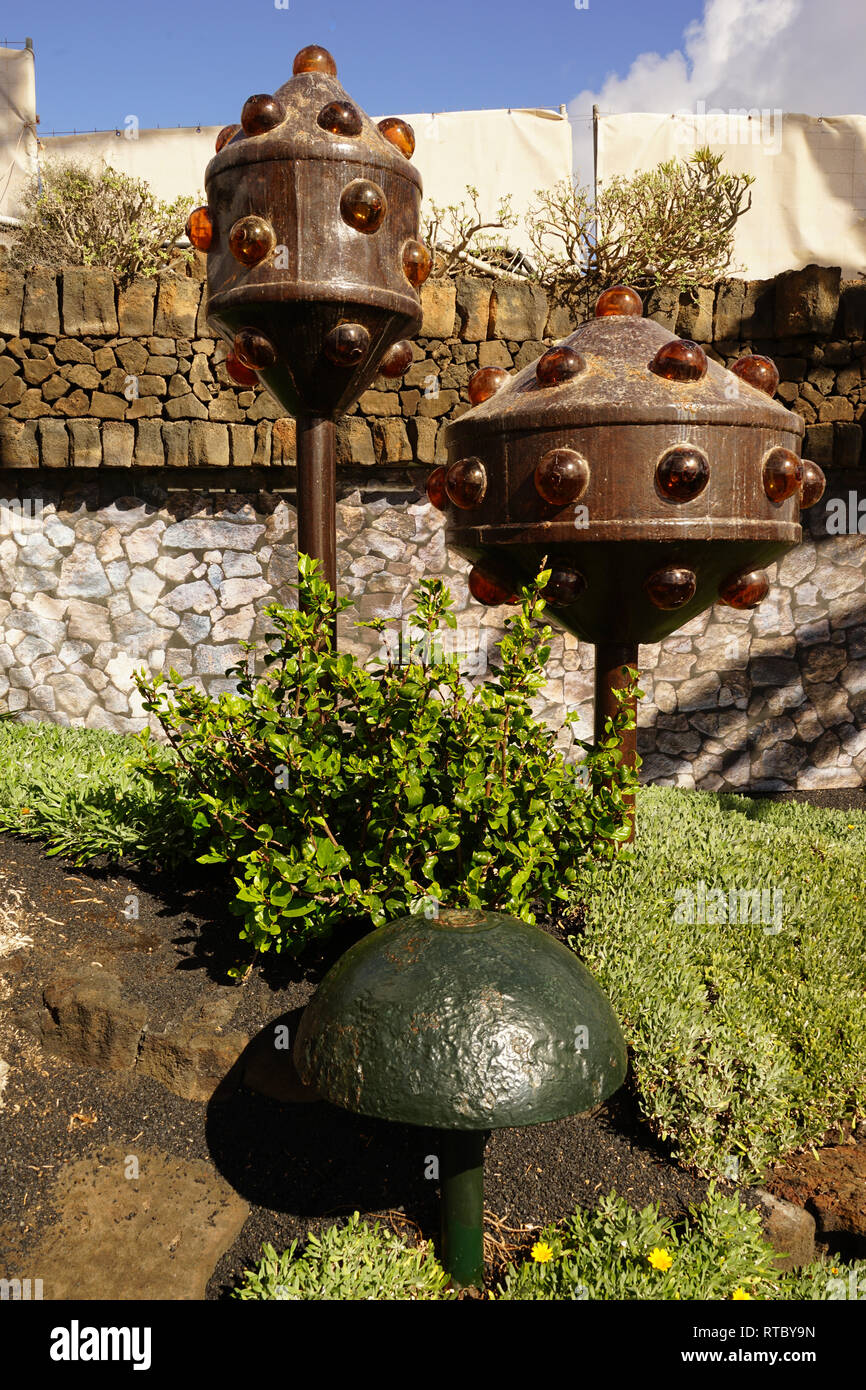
(747, 1038)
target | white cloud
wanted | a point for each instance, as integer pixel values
(790, 55)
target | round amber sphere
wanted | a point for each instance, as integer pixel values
(485, 383)
(253, 349)
(251, 239)
(199, 228)
(417, 263)
(363, 205)
(619, 299)
(812, 486)
(398, 357)
(261, 113)
(681, 360)
(466, 483)
(240, 375)
(783, 474)
(347, 344)
(558, 364)
(436, 488)
(340, 118)
(564, 586)
(760, 372)
(399, 133)
(744, 590)
(671, 586)
(227, 133)
(682, 472)
(561, 476)
(314, 59)
(489, 588)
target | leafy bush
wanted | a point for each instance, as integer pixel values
(334, 791)
(77, 216)
(351, 1262)
(747, 1038)
(672, 225)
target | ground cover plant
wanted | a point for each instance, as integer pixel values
(730, 944)
(614, 1252)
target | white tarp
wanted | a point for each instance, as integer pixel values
(497, 152)
(17, 126)
(809, 195)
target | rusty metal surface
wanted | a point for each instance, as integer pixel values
(621, 418)
(322, 271)
(475, 1023)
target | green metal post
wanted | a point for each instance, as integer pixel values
(461, 1177)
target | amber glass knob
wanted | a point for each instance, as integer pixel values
(466, 482)
(340, 118)
(485, 383)
(561, 476)
(744, 590)
(240, 375)
(251, 239)
(682, 472)
(417, 263)
(489, 588)
(671, 586)
(398, 357)
(363, 206)
(619, 299)
(400, 134)
(783, 474)
(227, 133)
(199, 229)
(253, 349)
(261, 113)
(760, 372)
(558, 364)
(436, 488)
(314, 59)
(347, 344)
(813, 485)
(564, 586)
(681, 360)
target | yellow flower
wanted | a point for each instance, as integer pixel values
(660, 1259)
(541, 1252)
(739, 1294)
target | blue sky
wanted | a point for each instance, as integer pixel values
(174, 63)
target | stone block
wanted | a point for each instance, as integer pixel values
(86, 444)
(242, 439)
(818, 445)
(18, 444)
(87, 1020)
(437, 307)
(149, 448)
(192, 1059)
(494, 354)
(135, 306)
(284, 441)
(390, 442)
(88, 302)
(663, 306)
(853, 302)
(695, 317)
(208, 445)
(40, 313)
(517, 311)
(847, 445)
(354, 441)
(807, 301)
(54, 444)
(472, 302)
(11, 302)
(421, 434)
(177, 306)
(118, 444)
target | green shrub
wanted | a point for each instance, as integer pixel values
(351, 1262)
(76, 215)
(747, 1038)
(335, 791)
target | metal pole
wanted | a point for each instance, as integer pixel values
(317, 494)
(610, 658)
(461, 1177)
